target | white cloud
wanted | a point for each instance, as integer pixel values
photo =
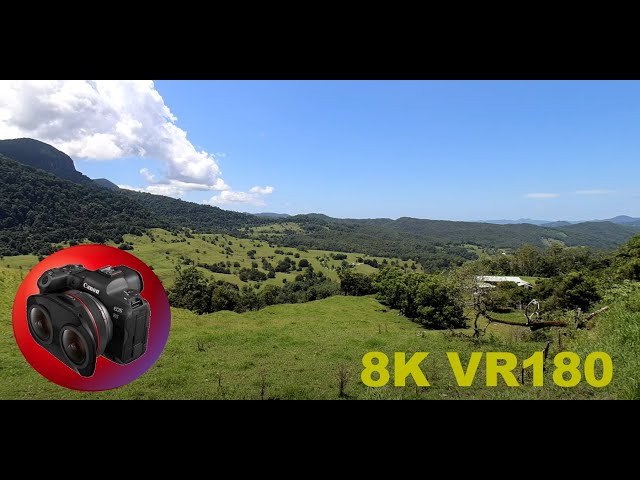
(148, 176)
(176, 188)
(253, 197)
(268, 190)
(109, 119)
(167, 190)
(594, 192)
(542, 195)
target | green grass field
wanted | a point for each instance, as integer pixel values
(163, 250)
(294, 351)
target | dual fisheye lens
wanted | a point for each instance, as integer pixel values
(73, 344)
(41, 323)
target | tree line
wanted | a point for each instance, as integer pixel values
(432, 300)
(192, 290)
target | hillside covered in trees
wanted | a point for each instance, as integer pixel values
(38, 209)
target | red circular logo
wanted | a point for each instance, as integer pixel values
(108, 374)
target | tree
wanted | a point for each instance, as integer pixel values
(631, 270)
(285, 265)
(250, 300)
(440, 303)
(526, 260)
(576, 290)
(432, 300)
(225, 296)
(355, 283)
(372, 262)
(303, 263)
(252, 274)
(627, 259)
(390, 287)
(191, 290)
(270, 294)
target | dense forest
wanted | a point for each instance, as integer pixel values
(38, 209)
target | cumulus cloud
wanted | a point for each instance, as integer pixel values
(254, 197)
(542, 195)
(261, 190)
(174, 188)
(109, 119)
(594, 192)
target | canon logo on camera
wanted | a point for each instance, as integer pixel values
(90, 288)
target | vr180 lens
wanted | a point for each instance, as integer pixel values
(79, 315)
(41, 323)
(74, 346)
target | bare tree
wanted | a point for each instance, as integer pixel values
(482, 305)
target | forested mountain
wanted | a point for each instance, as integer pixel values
(620, 220)
(594, 234)
(624, 220)
(179, 213)
(38, 208)
(601, 234)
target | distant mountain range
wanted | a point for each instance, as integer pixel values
(272, 215)
(517, 222)
(620, 220)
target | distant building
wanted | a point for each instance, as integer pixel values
(490, 281)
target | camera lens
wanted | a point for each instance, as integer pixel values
(41, 323)
(97, 319)
(74, 346)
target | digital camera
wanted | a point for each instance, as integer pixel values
(81, 314)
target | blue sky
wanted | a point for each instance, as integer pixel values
(439, 149)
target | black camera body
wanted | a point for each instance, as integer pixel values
(81, 314)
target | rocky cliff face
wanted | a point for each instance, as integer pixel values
(43, 156)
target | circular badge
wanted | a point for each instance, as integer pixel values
(91, 317)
